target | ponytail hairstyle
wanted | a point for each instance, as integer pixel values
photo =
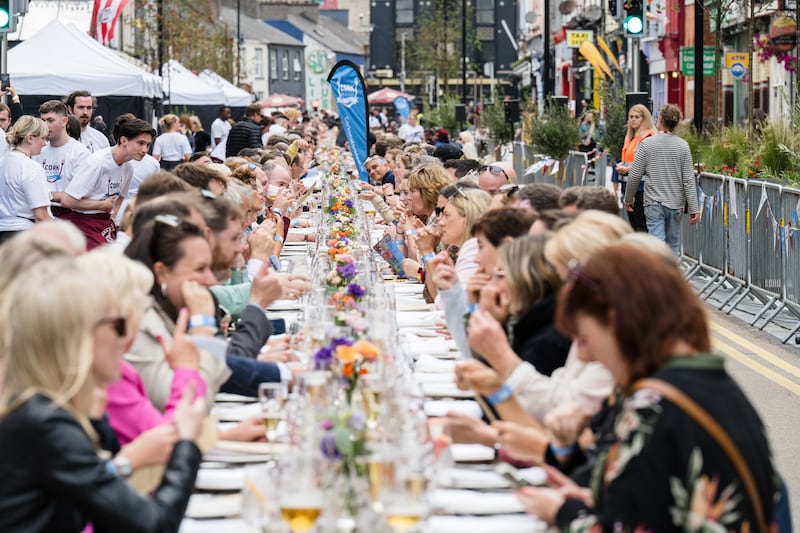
(24, 126)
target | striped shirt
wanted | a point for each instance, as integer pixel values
(666, 160)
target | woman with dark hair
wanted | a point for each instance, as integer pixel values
(667, 470)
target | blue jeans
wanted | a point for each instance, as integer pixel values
(665, 224)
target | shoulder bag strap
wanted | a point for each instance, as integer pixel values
(704, 420)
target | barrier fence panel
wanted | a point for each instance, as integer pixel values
(575, 166)
(711, 226)
(790, 237)
(690, 242)
(765, 207)
(737, 213)
(519, 158)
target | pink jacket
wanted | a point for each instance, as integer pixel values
(129, 409)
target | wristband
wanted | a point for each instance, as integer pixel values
(202, 321)
(471, 308)
(400, 242)
(412, 231)
(500, 395)
(562, 452)
(277, 211)
(296, 223)
(277, 238)
(427, 257)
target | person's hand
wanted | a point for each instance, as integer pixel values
(542, 502)
(694, 218)
(444, 272)
(565, 424)
(284, 199)
(197, 298)
(367, 195)
(466, 429)
(189, 414)
(106, 205)
(266, 287)
(181, 352)
(248, 430)
(152, 447)
(487, 338)
(495, 302)
(427, 239)
(622, 169)
(521, 442)
(629, 208)
(474, 375)
(262, 240)
(293, 285)
(411, 267)
(388, 189)
(477, 281)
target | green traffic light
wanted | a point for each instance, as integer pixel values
(634, 25)
(5, 18)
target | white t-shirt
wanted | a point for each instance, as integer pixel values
(61, 163)
(141, 171)
(100, 177)
(172, 146)
(3, 143)
(411, 133)
(93, 139)
(23, 187)
(219, 128)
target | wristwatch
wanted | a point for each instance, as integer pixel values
(122, 466)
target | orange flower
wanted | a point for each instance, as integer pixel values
(346, 354)
(347, 370)
(367, 350)
(362, 371)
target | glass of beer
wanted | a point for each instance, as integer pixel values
(272, 397)
(404, 498)
(301, 498)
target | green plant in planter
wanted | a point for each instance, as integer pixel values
(444, 116)
(779, 150)
(553, 133)
(728, 148)
(697, 142)
(494, 120)
(616, 121)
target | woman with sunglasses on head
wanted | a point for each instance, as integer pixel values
(690, 452)
(640, 127)
(59, 348)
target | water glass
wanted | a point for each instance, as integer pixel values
(272, 397)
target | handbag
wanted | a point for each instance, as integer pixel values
(704, 420)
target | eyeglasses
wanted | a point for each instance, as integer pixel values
(509, 189)
(495, 170)
(118, 323)
(575, 274)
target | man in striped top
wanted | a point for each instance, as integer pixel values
(666, 160)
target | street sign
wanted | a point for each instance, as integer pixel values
(687, 60)
(736, 63)
(575, 38)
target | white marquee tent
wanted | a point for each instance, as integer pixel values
(183, 88)
(234, 96)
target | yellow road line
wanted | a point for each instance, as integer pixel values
(768, 373)
(722, 331)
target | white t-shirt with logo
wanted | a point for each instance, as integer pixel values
(93, 140)
(61, 163)
(172, 146)
(219, 128)
(99, 177)
(23, 187)
(410, 133)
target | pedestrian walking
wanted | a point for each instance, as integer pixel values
(640, 127)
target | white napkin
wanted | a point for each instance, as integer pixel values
(434, 377)
(229, 525)
(442, 407)
(445, 390)
(284, 305)
(469, 478)
(417, 319)
(482, 524)
(227, 397)
(464, 453)
(409, 300)
(220, 479)
(236, 413)
(214, 506)
(409, 288)
(432, 346)
(302, 231)
(428, 363)
(453, 501)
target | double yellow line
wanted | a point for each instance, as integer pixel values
(731, 344)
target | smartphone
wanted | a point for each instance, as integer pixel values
(5, 81)
(513, 475)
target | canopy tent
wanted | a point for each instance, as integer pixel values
(386, 96)
(234, 96)
(60, 59)
(185, 92)
(277, 100)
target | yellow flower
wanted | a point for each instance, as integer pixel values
(346, 354)
(367, 350)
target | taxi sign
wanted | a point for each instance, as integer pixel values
(575, 38)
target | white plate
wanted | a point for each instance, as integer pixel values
(227, 397)
(229, 525)
(468, 502)
(467, 478)
(214, 506)
(442, 407)
(445, 390)
(516, 523)
(284, 305)
(235, 412)
(471, 453)
(220, 479)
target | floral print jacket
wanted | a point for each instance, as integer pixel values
(665, 473)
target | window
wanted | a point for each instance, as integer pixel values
(273, 65)
(404, 12)
(285, 65)
(298, 66)
(485, 11)
(259, 63)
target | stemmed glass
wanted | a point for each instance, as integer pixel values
(301, 499)
(272, 397)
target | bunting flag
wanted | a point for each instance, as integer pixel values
(350, 93)
(732, 200)
(105, 15)
(762, 201)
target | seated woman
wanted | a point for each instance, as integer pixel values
(666, 471)
(59, 348)
(180, 258)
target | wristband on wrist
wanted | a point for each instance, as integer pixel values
(471, 308)
(277, 238)
(427, 257)
(277, 211)
(562, 452)
(202, 321)
(411, 232)
(500, 395)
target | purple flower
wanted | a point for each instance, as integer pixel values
(323, 358)
(349, 203)
(340, 342)
(327, 424)
(355, 290)
(347, 271)
(328, 446)
(356, 422)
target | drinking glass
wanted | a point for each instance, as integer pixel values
(404, 497)
(260, 496)
(372, 388)
(301, 499)
(272, 397)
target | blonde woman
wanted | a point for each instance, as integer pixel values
(640, 126)
(59, 348)
(171, 148)
(468, 145)
(24, 195)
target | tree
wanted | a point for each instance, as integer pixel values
(189, 31)
(616, 120)
(554, 133)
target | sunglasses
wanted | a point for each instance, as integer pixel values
(119, 324)
(495, 170)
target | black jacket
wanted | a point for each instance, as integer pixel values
(243, 134)
(53, 481)
(535, 339)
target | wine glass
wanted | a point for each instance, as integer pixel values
(372, 387)
(272, 397)
(301, 499)
(404, 497)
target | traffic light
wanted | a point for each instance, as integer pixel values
(511, 110)
(7, 22)
(634, 18)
